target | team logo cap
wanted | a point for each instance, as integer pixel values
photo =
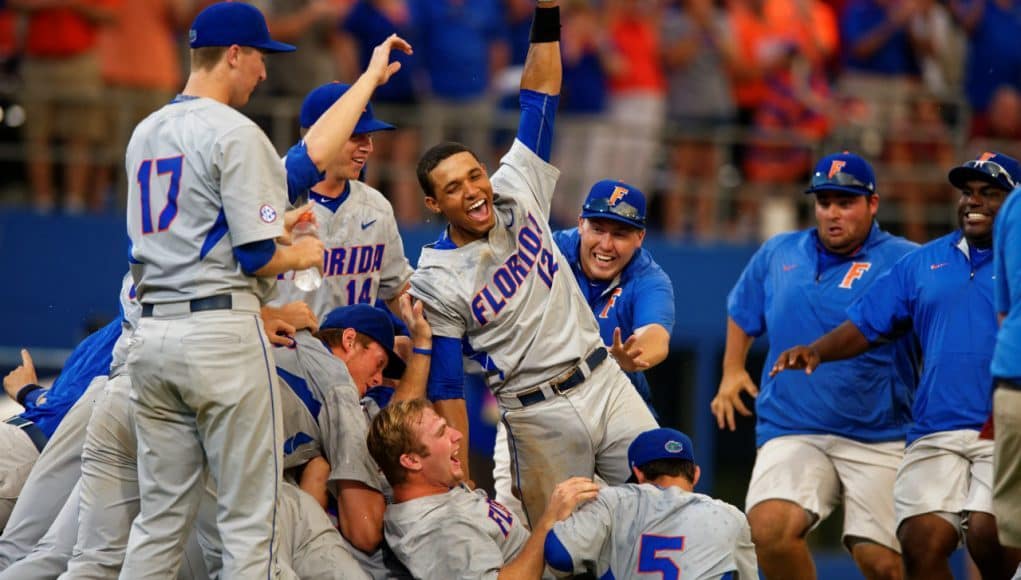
(993, 168)
(321, 98)
(662, 443)
(615, 200)
(227, 23)
(844, 172)
(373, 323)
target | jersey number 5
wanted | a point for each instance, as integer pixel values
(649, 560)
(171, 165)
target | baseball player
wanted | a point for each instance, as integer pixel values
(835, 436)
(493, 287)
(364, 255)
(54, 418)
(630, 295)
(27, 433)
(943, 293)
(205, 206)
(1006, 369)
(439, 528)
(657, 526)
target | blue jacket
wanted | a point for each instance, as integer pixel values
(797, 291)
(1007, 289)
(642, 294)
(945, 296)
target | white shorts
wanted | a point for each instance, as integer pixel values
(949, 473)
(817, 472)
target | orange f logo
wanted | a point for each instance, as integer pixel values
(856, 271)
(986, 156)
(835, 167)
(617, 195)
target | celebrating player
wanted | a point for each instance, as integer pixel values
(836, 435)
(1006, 369)
(630, 295)
(494, 287)
(636, 527)
(364, 256)
(943, 292)
(206, 200)
(437, 527)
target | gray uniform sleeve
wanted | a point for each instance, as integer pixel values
(253, 185)
(584, 534)
(522, 172)
(343, 438)
(744, 550)
(458, 550)
(426, 285)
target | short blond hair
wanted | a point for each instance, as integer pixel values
(207, 57)
(392, 434)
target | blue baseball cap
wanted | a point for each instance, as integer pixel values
(845, 172)
(662, 443)
(615, 200)
(321, 98)
(373, 323)
(227, 23)
(993, 168)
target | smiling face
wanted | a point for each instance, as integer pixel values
(352, 158)
(844, 219)
(606, 247)
(461, 191)
(976, 210)
(441, 463)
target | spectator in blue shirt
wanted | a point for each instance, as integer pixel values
(943, 294)
(835, 436)
(1006, 369)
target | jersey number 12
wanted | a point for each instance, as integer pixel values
(171, 165)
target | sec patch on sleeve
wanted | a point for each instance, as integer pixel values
(267, 213)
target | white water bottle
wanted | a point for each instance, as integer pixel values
(309, 279)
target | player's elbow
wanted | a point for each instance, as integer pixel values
(366, 537)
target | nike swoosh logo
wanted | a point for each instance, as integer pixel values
(367, 224)
(789, 267)
(937, 266)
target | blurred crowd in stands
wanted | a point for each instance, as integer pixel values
(715, 109)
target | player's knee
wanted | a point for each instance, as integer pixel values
(982, 540)
(778, 525)
(878, 562)
(925, 539)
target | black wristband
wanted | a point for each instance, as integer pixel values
(545, 25)
(24, 391)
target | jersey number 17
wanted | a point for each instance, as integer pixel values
(171, 165)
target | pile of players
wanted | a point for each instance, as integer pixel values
(232, 424)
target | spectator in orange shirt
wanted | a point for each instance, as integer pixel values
(62, 93)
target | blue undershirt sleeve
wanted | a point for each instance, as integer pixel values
(30, 398)
(557, 555)
(302, 173)
(446, 371)
(255, 255)
(535, 128)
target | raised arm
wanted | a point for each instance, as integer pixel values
(543, 72)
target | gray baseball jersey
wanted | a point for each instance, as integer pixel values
(322, 413)
(203, 179)
(364, 256)
(524, 321)
(644, 531)
(458, 534)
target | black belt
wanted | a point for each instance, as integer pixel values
(1006, 384)
(218, 302)
(576, 378)
(31, 429)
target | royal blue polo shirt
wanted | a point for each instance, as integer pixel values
(1007, 289)
(944, 293)
(797, 291)
(641, 295)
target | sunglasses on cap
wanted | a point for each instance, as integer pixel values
(621, 208)
(822, 180)
(992, 169)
